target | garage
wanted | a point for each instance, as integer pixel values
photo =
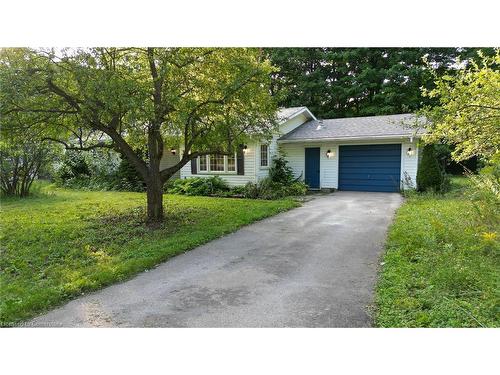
(370, 167)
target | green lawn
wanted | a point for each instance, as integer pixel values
(441, 267)
(58, 246)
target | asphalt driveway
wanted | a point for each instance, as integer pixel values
(314, 266)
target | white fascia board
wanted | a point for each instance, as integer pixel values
(337, 139)
(304, 110)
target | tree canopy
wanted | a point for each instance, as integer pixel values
(346, 82)
(206, 100)
(468, 114)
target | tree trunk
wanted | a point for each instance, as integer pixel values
(154, 194)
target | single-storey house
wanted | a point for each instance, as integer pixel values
(375, 153)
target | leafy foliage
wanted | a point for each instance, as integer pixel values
(449, 165)
(21, 160)
(485, 194)
(209, 186)
(346, 82)
(93, 170)
(74, 165)
(127, 177)
(280, 182)
(280, 171)
(468, 114)
(429, 175)
(441, 264)
(266, 188)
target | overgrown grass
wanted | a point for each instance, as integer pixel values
(441, 267)
(61, 243)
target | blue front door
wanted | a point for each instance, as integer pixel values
(312, 167)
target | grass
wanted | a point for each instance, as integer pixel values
(441, 266)
(62, 243)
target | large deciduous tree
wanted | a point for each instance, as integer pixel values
(206, 100)
(468, 113)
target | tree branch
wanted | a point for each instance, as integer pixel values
(192, 60)
(68, 98)
(127, 150)
(68, 146)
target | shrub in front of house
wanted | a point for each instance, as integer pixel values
(209, 186)
(429, 174)
(264, 189)
(297, 188)
(268, 189)
(280, 171)
(280, 183)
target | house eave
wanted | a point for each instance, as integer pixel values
(357, 138)
(308, 112)
(304, 111)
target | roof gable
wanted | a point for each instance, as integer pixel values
(285, 114)
(293, 117)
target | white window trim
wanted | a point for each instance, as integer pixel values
(260, 156)
(198, 164)
(224, 172)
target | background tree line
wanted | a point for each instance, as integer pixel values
(349, 82)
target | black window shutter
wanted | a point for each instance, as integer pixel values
(240, 161)
(194, 169)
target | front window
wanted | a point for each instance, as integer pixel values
(231, 163)
(203, 163)
(217, 163)
(264, 155)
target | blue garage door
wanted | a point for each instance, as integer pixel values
(370, 167)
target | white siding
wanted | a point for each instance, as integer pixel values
(232, 179)
(169, 160)
(409, 164)
(329, 166)
(295, 155)
(262, 172)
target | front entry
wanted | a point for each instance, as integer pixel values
(312, 167)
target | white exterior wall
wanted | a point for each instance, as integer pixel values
(410, 163)
(169, 160)
(329, 167)
(262, 172)
(285, 128)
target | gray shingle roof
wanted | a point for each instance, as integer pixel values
(355, 127)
